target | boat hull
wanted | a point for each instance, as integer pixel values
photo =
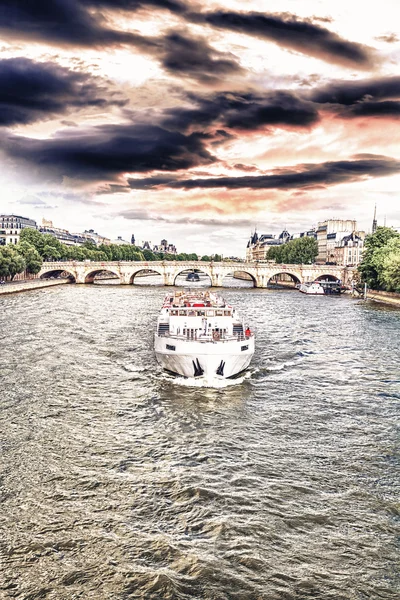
(208, 360)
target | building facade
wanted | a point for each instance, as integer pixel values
(11, 227)
(348, 252)
(64, 236)
(165, 248)
(91, 236)
(258, 246)
(329, 235)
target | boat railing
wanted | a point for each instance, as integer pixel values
(206, 337)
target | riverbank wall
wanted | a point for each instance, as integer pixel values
(33, 284)
(391, 298)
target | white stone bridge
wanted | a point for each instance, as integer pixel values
(260, 273)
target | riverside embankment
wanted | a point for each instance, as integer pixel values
(33, 284)
(390, 298)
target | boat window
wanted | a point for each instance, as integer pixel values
(219, 313)
(169, 347)
(210, 313)
(174, 313)
(192, 313)
(182, 313)
(244, 348)
(201, 313)
(227, 313)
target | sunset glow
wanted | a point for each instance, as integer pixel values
(197, 122)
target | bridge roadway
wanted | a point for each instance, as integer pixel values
(260, 273)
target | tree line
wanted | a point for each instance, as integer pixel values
(35, 247)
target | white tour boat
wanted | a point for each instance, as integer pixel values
(311, 287)
(199, 335)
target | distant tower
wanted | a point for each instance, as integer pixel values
(133, 240)
(374, 223)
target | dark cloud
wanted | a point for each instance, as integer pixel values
(304, 176)
(374, 109)
(350, 92)
(31, 91)
(184, 54)
(290, 32)
(246, 112)
(72, 22)
(145, 215)
(62, 22)
(390, 38)
(171, 5)
(108, 151)
(366, 98)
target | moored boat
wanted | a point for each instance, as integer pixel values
(200, 335)
(311, 287)
(192, 276)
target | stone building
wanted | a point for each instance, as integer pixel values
(348, 251)
(329, 234)
(64, 236)
(165, 248)
(92, 236)
(11, 227)
(258, 246)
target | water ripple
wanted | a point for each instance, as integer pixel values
(121, 482)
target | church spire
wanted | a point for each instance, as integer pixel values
(374, 223)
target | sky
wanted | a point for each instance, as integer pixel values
(200, 121)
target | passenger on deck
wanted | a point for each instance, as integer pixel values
(247, 333)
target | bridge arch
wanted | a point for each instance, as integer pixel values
(241, 278)
(284, 278)
(144, 272)
(327, 277)
(185, 271)
(90, 275)
(53, 273)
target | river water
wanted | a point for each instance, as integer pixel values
(120, 482)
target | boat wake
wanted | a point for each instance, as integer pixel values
(200, 382)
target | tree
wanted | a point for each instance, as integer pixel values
(32, 237)
(11, 262)
(148, 255)
(374, 254)
(32, 257)
(205, 258)
(302, 250)
(390, 276)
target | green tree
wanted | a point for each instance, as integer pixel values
(390, 276)
(32, 257)
(11, 262)
(205, 258)
(148, 255)
(371, 265)
(32, 237)
(302, 250)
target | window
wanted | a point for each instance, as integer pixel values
(174, 313)
(182, 313)
(227, 313)
(169, 347)
(219, 313)
(210, 313)
(244, 348)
